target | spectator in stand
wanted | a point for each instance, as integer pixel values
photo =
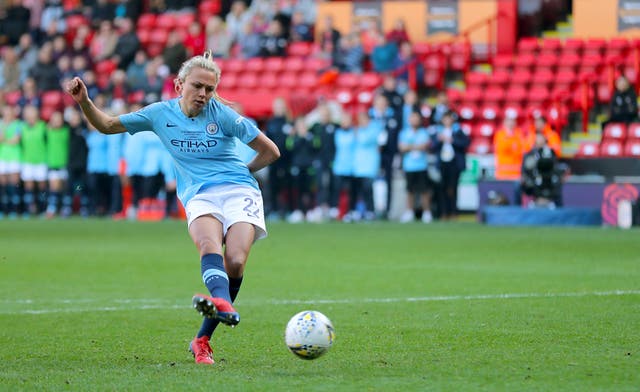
(509, 147)
(57, 159)
(174, 53)
(45, 72)
(624, 103)
(102, 10)
(153, 82)
(14, 23)
(268, 8)
(29, 94)
(329, 37)
(34, 161)
(343, 165)
(389, 89)
(127, 44)
(90, 81)
(300, 30)
(136, 74)
(64, 67)
(131, 9)
(383, 55)
(237, 18)
(309, 9)
(77, 165)
(118, 88)
(413, 143)
(410, 105)
(59, 48)
(398, 34)
(80, 49)
(250, 43)
(53, 14)
(366, 165)
(10, 159)
(449, 144)
(27, 52)
(303, 154)
(219, 39)
(441, 107)
(196, 40)
(104, 42)
(323, 139)
(404, 62)
(350, 56)
(273, 42)
(540, 125)
(279, 129)
(10, 72)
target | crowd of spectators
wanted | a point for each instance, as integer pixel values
(40, 52)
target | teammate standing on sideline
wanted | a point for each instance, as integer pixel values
(221, 197)
(34, 161)
(10, 158)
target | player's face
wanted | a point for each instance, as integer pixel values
(196, 90)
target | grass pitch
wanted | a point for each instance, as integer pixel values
(102, 305)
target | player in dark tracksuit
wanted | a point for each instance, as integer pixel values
(278, 129)
(323, 133)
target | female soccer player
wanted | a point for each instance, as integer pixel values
(221, 197)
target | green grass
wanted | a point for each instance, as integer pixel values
(101, 305)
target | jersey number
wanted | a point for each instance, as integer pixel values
(251, 208)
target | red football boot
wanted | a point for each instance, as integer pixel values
(201, 350)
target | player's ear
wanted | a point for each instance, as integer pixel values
(177, 85)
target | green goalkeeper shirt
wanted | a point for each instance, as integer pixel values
(34, 146)
(10, 152)
(58, 147)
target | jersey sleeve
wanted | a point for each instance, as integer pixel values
(139, 121)
(234, 124)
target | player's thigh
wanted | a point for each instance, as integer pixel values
(206, 233)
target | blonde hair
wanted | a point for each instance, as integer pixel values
(205, 61)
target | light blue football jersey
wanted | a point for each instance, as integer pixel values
(203, 147)
(414, 161)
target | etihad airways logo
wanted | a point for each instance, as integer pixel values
(194, 145)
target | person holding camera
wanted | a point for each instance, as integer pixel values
(541, 178)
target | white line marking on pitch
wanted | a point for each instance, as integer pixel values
(150, 304)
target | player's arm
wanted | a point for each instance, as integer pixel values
(101, 121)
(267, 152)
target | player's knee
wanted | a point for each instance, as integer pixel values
(207, 245)
(235, 261)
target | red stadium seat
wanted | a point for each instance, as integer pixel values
(143, 36)
(573, 46)
(348, 80)
(521, 76)
(592, 63)
(235, 66)
(528, 45)
(494, 94)
(254, 64)
(480, 146)
(460, 57)
(547, 61)
(274, 64)
(184, 21)
(269, 80)
(538, 95)
(500, 78)
(105, 67)
(308, 80)
(566, 79)
(618, 47)
(603, 92)
(466, 127)
(516, 94)
(594, 46)
(293, 64)
(46, 112)
(588, 150)
(210, 7)
(512, 111)
(550, 46)
(316, 64)
(524, 60)
(491, 112)
(477, 79)
(136, 97)
(503, 62)
(611, 149)
(543, 77)
(12, 97)
(370, 80)
(615, 131)
(165, 21)
(288, 80)
(484, 129)
(467, 112)
(52, 99)
(569, 61)
(228, 81)
(146, 21)
(422, 50)
(74, 21)
(364, 100)
(158, 36)
(632, 148)
(247, 81)
(435, 61)
(633, 131)
(299, 49)
(454, 96)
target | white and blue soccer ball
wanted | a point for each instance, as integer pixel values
(309, 334)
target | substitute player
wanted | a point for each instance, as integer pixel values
(221, 197)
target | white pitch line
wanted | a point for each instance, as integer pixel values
(151, 304)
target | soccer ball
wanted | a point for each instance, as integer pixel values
(309, 334)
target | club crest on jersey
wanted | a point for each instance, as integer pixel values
(212, 129)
